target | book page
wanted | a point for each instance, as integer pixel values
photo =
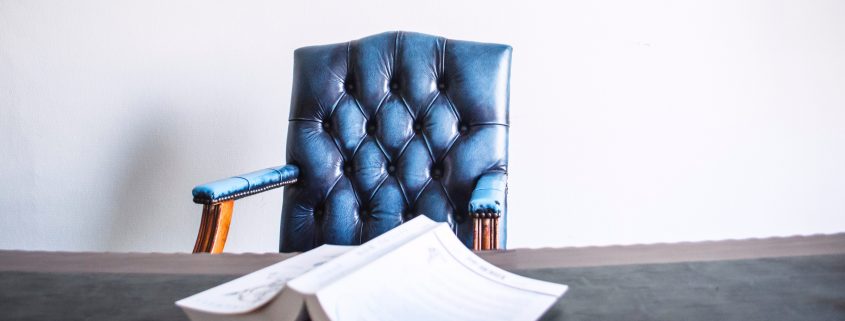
(355, 259)
(254, 290)
(433, 277)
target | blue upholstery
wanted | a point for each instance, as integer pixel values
(489, 194)
(245, 185)
(389, 127)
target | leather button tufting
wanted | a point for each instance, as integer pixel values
(436, 172)
(385, 129)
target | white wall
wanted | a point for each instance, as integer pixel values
(654, 121)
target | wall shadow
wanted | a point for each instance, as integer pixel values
(151, 208)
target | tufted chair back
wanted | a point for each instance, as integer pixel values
(389, 127)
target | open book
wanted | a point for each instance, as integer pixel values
(417, 271)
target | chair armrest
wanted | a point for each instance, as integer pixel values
(485, 207)
(488, 197)
(244, 185)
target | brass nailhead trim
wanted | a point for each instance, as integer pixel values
(248, 193)
(485, 215)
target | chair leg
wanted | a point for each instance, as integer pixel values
(485, 231)
(214, 227)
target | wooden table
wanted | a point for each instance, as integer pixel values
(142, 286)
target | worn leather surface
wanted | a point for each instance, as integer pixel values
(244, 184)
(389, 127)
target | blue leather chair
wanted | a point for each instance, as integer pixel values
(383, 129)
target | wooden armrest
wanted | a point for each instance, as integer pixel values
(485, 231)
(218, 199)
(214, 227)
